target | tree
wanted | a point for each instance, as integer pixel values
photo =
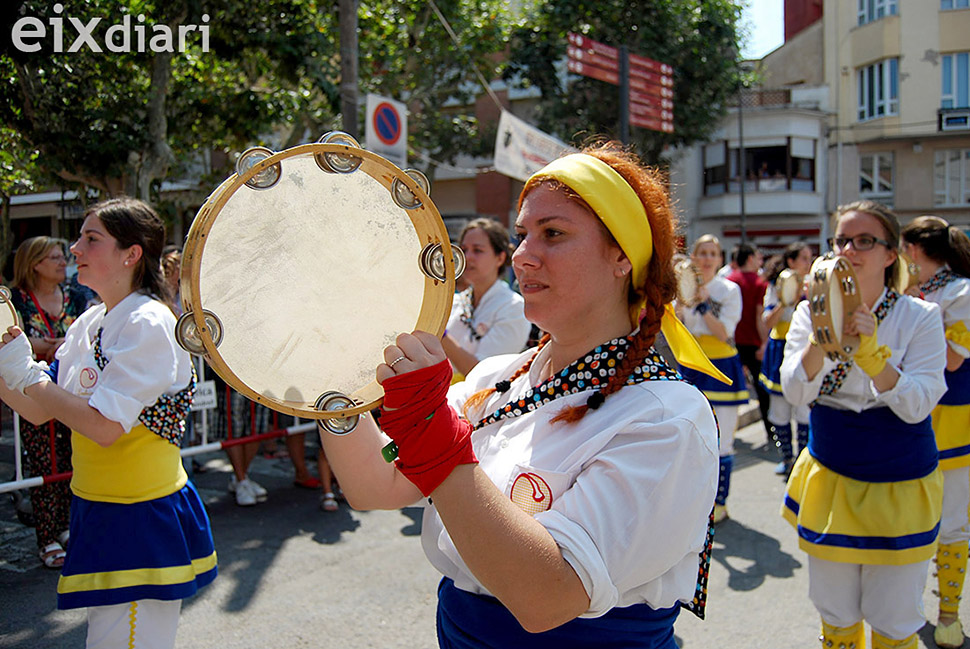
(120, 121)
(697, 37)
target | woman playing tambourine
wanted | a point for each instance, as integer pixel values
(569, 487)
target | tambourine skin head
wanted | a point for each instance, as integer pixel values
(311, 278)
(689, 282)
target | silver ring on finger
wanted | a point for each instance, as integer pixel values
(396, 361)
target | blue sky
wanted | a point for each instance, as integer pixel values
(763, 22)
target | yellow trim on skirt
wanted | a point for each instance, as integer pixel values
(780, 330)
(136, 577)
(951, 424)
(851, 521)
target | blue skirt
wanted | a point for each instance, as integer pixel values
(770, 377)
(119, 553)
(469, 621)
(720, 394)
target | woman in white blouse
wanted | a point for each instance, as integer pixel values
(866, 497)
(487, 317)
(712, 321)
(139, 537)
(570, 507)
(942, 253)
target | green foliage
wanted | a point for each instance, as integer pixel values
(699, 38)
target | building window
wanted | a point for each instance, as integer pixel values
(956, 80)
(871, 10)
(954, 4)
(951, 177)
(876, 177)
(785, 167)
(879, 90)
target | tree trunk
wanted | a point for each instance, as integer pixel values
(154, 161)
(348, 66)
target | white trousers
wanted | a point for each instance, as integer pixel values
(727, 423)
(780, 412)
(955, 524)
(145, 624)
(889, 598)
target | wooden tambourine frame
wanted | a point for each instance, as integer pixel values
(8, 316)
(788, 286)
(689, 282)
(330, 174)
(833, 295)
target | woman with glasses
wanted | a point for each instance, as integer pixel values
(486, 318)
(712, 321)
(943, 255)
(47, 306)
(866, 497)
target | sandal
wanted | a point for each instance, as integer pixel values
(328, 503)
(64, 538)
(53, 555)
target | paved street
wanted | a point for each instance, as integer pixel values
(293, 576)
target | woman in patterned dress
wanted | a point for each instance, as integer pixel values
(47, 306)
(942, 253)
(866, 497)
(568, 506)
(140, 537)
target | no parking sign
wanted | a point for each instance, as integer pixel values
(387, 129)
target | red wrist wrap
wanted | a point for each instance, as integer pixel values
(431, 438)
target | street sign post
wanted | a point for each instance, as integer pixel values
(646, 85)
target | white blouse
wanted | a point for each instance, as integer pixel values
(913, 331)
(630, 486)
(954, 301)
(727, 295)
(138, 338)
(497, 325)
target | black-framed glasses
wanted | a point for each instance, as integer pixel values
(860, 242)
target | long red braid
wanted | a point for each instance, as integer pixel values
(660, 287)
(479, 397)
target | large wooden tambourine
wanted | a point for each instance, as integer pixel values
(788, 286)
(303, 265)
(833, 295)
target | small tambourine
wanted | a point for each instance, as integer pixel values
(788, 286)
(8, 314)
(303, 265)
(833, 293)
(907, 273)
(689, 282)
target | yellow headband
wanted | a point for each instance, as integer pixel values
(618, 206)
(612, 200)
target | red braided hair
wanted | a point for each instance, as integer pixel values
(479, 397)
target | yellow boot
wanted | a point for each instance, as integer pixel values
(848, 637)
(951, 570)
(882, 642)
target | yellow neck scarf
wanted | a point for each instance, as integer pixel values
(622, 212)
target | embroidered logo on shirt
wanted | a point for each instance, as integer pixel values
(88, 378)
(531, 493)
(481, 329)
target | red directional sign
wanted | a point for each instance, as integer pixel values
(648, 82)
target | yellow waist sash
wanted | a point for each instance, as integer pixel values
(780, 330)
(715, 348)
(139, 466)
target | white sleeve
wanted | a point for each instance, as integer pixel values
(921, 383)
(143, 364)
(957, 309)
(653, 488)
(730, 314)
(508, 333)
(796, 387)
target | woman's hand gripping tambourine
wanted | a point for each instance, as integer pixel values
(833, 298)
(303, 266)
